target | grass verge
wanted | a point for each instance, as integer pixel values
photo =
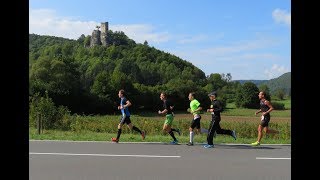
(133, 137)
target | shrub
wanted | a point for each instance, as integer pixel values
(51, 116)
(63, 118)
(278, 106)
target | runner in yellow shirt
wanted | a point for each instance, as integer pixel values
(194, 109)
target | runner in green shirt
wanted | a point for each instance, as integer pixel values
(168, 112)
(194, 109)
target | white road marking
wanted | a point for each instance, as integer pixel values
(270, 158)
(112, 155)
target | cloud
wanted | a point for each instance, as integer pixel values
(47, 22)
(192, 39)
(244, 59)
(257, 56)
(142, 32)
(239, 47)
(282, 17)
(198, 58)
(276, 71)
(187, 39)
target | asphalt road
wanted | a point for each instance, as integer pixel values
(74, 160)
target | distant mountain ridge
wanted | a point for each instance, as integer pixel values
(281, 82)
(256, 82)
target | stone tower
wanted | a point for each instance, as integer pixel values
(104, 32)
(100, 37)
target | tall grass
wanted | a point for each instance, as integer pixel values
(102, 126)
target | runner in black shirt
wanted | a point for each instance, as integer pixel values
(168, 111)
(265, 108)
(216, 109)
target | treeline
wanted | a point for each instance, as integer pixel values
(86, 79)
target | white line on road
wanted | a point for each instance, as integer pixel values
(114, 155)
(270, 158)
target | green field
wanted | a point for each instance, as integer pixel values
(102, 128)
(231, 110)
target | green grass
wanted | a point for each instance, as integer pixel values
(133, 137)
(103, 128)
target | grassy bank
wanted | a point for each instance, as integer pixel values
(133, 137)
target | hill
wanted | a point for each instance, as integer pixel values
(89, 78)
(144, 64)
(281, 82)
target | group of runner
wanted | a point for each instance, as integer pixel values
(195, 108)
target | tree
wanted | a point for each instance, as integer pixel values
(120, 81)
(81, 39)
(280, 93)
(247, 96)
(86, 42)
(101, 87)
(57, 76)
(216, 80)
(145, 43)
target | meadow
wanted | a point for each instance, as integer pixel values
(103, 127)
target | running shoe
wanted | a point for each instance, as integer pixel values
(190, 144)
(174, 142)
(208, 146)
(255, 143)
(115, 140)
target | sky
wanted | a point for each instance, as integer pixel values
(249, 39)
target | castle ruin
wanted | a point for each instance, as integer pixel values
(99, 37)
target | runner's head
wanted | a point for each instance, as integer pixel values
(121, 93)
(163, 96)
(212, 95)
(191, 96)
(262, 95)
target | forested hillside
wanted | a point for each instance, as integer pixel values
(87, 79)
(282, 82)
